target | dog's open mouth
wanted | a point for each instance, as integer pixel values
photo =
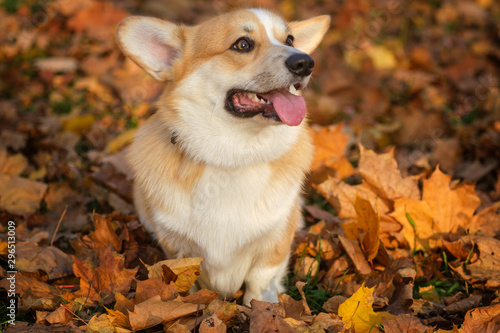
(285, 105)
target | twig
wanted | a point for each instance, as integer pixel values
(58, 224)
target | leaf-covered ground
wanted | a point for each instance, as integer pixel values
(403, 200)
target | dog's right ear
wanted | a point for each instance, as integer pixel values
(151, 43)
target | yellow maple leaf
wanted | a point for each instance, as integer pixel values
(357, 311)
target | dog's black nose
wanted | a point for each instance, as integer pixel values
(300, 64)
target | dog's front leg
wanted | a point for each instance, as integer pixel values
(264, 279)
(264, 283)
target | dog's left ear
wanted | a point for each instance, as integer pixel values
(309, 33)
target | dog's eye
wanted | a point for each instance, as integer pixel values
(243, 45)
(289, 40)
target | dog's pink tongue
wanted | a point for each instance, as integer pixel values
(290, 108)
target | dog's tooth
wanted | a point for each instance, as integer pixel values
(253, 97)
(294, 91)
(262, 101)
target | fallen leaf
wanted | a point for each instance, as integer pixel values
(13, 165)
(212, 324)
(405, 324)
(451, 208)
(20, 195)
(485, 320)
(154, 311)
(104, 235)
(187, 271)
(99, 284)
(264, 320)
(202, 296)
(152, 287)
(356, 254)
(31, 258)
(224, 311)
(342, 196)
(368, 222)
(357, 311)
(382, 173)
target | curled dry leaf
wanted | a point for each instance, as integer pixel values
(51, 260)
(154, 311)
(484, 320)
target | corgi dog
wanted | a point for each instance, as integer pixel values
(219, 167)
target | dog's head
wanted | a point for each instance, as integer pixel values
(239, 72)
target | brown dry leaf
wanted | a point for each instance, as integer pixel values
(20, 195)
(293, 308)
(267, 318)
(487, 221)
(104, 234)
(300, 286)
(342, 196)
(187, 270)
(13, 165)
(487, 267)
(298, 326)
(101, 323)
(224, 311)
(123, 304)
(405, 324)
(60, 316)
(31, 258)
(202, 296)
(118, 318)
(354, 252)
(325, 322)
(212, 324)
(154, 311)
(484, 320)
(382, 173)
(26, 286)
(368, 223)
(333, 303)
(152, 287)
(99, 284)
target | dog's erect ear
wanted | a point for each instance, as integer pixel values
(151, 43)
(309, 33)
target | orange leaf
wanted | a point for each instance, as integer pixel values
(381, 171)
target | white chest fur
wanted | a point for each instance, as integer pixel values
(227, 210)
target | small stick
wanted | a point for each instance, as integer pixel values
(58, 224)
